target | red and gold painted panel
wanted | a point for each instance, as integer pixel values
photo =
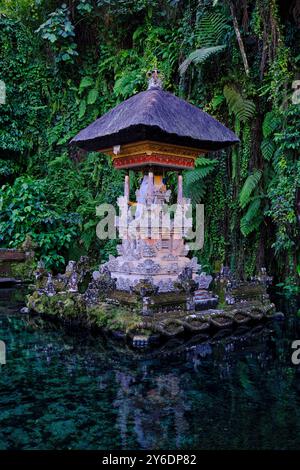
(148, 153)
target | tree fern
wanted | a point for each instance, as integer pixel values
(199, 56)
(242, 108)
(248, 188)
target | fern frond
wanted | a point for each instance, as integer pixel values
(267, 149)
(196, 192)
(253, 208)
(197, 174)
(248, 227)
(234, 160)
(270, 123)
(194, 180)
(211, 29)
(127, 84)
(248, 188)
(210, 33)
(242, 108)
(199, 56)
(217, 101)
(252, 219)
(202, 161)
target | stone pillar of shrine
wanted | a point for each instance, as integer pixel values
(126, 187)
(179, 189)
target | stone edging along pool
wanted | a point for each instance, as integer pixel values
(127, 324)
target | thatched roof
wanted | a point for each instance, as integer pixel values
(159, 116)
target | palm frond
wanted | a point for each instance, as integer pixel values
(248, 188)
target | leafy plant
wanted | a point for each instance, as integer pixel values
(59, 31)
(195, 182)
(24, 212)
(242, 108)
(199, 56)
(212, 28)
(248, 188)
(252, 219)
(210, 33)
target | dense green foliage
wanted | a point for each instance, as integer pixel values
(64, 64)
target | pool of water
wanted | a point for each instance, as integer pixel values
(69, 390)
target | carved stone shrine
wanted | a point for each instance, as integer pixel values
(152, 133)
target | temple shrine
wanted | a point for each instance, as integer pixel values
(152, 133)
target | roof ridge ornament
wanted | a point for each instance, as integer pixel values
(154, 79)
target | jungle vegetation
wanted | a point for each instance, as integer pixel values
(66, 63)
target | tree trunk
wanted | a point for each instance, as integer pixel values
(239, 39)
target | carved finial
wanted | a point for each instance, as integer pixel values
(154, 79)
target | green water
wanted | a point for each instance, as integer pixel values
(65, 390)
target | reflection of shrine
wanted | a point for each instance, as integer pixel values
(155, 413)
(154, 132)
(218, 394)
(209, 388)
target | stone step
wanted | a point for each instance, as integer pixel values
(8, 280)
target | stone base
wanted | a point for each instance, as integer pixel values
(162, 271)
(203, 304)
(152, 304)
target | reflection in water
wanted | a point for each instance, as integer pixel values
(60, 390)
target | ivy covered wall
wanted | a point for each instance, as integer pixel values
(64, 64)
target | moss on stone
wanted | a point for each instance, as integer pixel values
(72, 309)
(113, 318)
(64, 305)
(23, 270)
(67, 306)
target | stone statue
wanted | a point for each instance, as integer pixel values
(100, 285)
(50, 290)
(185, 281)
(73, 282)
